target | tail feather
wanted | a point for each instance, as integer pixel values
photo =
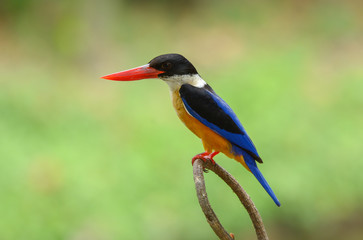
(251, 163)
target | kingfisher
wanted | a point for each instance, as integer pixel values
(206, 114)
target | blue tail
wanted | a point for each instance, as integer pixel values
(251, 163)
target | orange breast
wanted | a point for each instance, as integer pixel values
(211, 140)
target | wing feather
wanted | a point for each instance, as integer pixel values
(214, 112)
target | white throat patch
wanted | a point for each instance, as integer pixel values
(175, 82)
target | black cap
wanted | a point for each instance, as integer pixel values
(172, 64)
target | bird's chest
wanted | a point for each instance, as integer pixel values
(184, 116)
(210, 139)
(192, 123)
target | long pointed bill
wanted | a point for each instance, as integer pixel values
(133, 74)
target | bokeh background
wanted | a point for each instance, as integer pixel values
(83, 158)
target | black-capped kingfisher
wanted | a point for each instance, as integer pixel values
(202, 111)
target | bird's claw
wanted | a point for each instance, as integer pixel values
(205, 157)
(200, 156)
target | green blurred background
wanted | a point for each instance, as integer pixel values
(83, 158)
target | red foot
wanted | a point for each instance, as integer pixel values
(205, 156)
(199, 156)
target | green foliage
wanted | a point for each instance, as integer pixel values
(85, 158)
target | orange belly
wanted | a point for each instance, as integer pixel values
(211, 140)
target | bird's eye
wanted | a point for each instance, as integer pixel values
(166, 65)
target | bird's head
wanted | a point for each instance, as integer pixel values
(172, 65)
(174, 69)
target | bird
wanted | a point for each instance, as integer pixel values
(203, 112)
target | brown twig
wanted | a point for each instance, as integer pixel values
(198, 167)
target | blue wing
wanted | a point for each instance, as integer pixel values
(211, 110)
(206, 106)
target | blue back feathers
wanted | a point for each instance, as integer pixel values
(217, 107)
(214, 112)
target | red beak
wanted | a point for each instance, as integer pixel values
(137, 73)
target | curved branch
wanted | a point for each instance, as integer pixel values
(198, 168)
